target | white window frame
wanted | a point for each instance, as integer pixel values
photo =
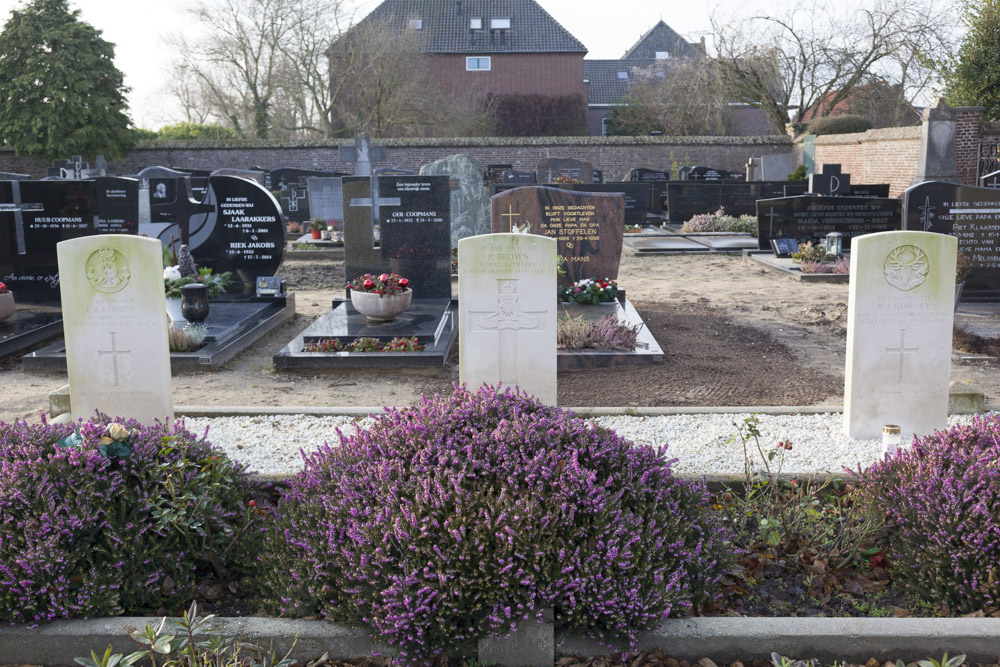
(478, 60)
(416, 24)
(476, 23)
(500, 23)
(623, 75)
(662, 55)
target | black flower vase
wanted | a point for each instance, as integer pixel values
(194, 302)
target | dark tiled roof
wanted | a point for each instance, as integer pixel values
(606, 87)
(445, 25)
(661, 37)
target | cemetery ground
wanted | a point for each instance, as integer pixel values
(733, 334)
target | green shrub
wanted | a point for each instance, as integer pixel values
(839, 125)
(800, 174)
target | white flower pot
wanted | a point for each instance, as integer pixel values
(379, 308)
(177, 320)
(6, 305)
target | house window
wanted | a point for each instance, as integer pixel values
(500, 24)
(662, 55)
(416, 24)
(623, 75)
(476, 23)
(604, 127)
(477, 64)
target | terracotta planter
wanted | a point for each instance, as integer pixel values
(6, 305)
(381, 308)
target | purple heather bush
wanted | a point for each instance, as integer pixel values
(94, 525)
(452, 519)
(941, 501)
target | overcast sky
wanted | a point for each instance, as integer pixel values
(139, 29)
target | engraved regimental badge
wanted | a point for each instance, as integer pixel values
(906, 267)
(107, 270)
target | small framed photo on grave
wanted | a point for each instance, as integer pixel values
(784, 246)
(268, 286)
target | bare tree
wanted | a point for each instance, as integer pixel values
(674, 96)
(811, 59)
(259, 66)
(382, 84)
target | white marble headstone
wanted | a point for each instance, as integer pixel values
(507, 312)
(901, 308)
(115, 326)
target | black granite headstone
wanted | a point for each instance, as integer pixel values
(636, 197)
(34, 217)
(494, 172)
(549, 169)
(76, 169)
(115, 204)
(686, 199)
(811, 217)
(258, 175)
(880, 190)
(413, 214)
(293, 190)
(598, 176)
(518, 177)
(9, 176)
(830, 182)
(643, 175)
(699, 173)
(198, 180)
(167, 206)
(968, 213)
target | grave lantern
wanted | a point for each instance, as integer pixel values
(834, 243)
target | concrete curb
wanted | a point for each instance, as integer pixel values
(721, 639)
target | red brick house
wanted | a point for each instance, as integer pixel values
(495, 47)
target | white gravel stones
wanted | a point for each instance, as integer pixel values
(271, 444)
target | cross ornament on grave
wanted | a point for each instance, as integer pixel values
(830, 182)
(510, 215)
(113, 353)
(18, 207)
(293, 197)
(902, 351)
(363, 154)
(927, 214)
(508, 320)
(771, 228)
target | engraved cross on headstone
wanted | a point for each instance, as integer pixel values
(17, 207)
(293, 196)
(927, 215)
(770, 215)
(113, 353)
(902, 351)
(362, 154)
(510, 215)
(508, 320)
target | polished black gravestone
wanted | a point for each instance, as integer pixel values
(598, 176)
(292, 188)
(258, 176)
(880, 190)
(34, 217)
(686, 199)
(433, 322)
(990, 180)
(657, 180)
(115, 203)
(518, 177)
(234, 323)
(699, 173)
(549, 169)
(830, 182)
(168, 206)
(198, 180)
(811, 217)
(76, 169)
(413, 214)
(970, 214)
(30, 325)
(636, 197)
(494, 172)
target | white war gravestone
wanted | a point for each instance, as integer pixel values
(115, 326)
(900, 311)
(507, 312)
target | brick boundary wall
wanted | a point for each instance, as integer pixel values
(614, 155)
(887, 155)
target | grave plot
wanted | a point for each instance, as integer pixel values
(412, 217)
(690, 198)
(811, 217)
(236, 229)
(587, 228)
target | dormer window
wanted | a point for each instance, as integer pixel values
(662, 55)
(500, 23)
(416, 24)
(476, 23)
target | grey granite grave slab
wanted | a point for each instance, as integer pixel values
(27, 327)
(787, 266)
(234, 325)
(433, 321)
(646, 245)
(724, 242)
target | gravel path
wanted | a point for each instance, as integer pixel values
(701, 443)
